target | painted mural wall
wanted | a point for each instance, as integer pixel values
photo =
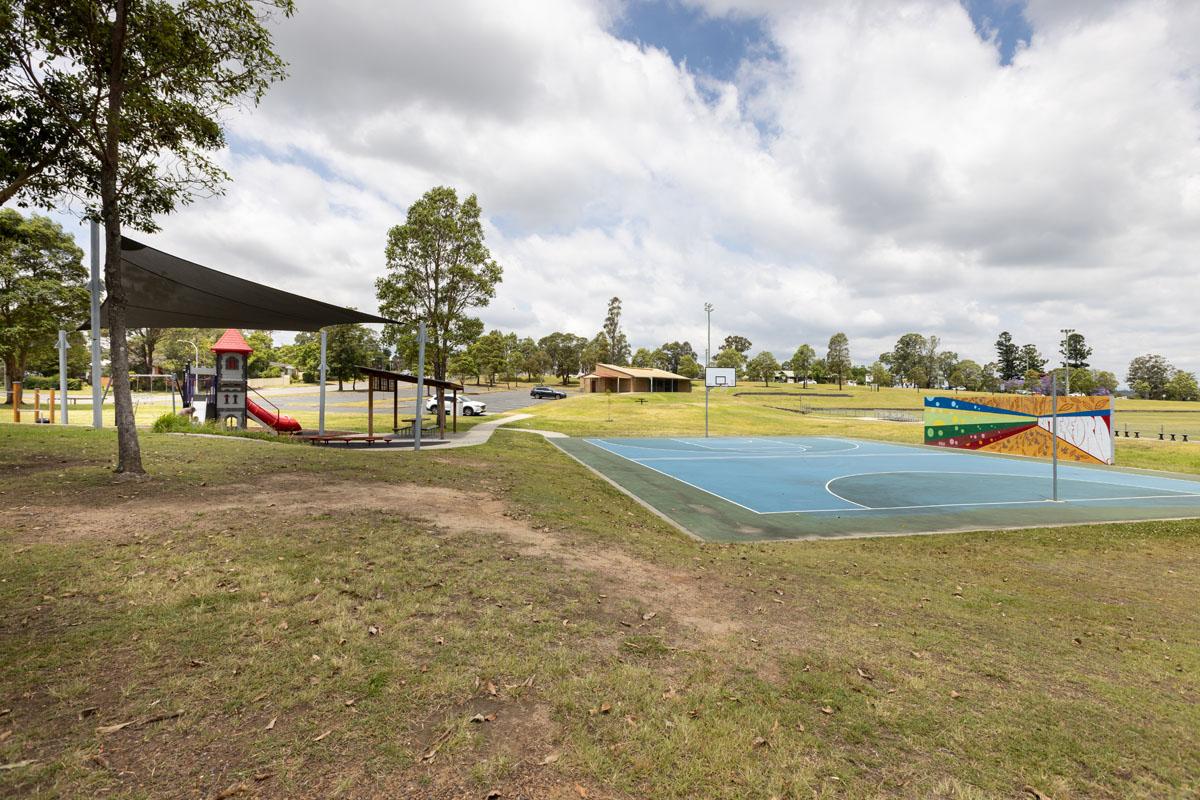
(1021, 425)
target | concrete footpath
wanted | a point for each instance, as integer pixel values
(482, 432)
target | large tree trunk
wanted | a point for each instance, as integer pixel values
(129, 454)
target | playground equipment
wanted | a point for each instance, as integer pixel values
(221, 393)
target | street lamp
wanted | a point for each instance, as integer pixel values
(708, 309)
(1066, 344)
(197, 349)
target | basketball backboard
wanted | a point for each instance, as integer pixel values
(720, 376)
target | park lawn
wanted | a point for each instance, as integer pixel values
(682, 414)
(303, 622)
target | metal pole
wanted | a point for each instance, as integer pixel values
(707, 389)
(94, 288)
(62, 373)
(1054, 430)
(708, 309)
(420, 385)
(321, 416)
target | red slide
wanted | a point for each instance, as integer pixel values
(281, 423)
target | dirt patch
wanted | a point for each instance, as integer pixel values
(135, 513)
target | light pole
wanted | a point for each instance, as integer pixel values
(197, 349)
(708, 309)
(1066, 345)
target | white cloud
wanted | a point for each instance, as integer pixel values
(886, 174)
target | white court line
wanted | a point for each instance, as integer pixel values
(596, 443)
(804, 456)
(1062, 477)
(740, 440)
(974, 505)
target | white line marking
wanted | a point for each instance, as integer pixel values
(797, 456)
(974, 505)
(596, 443)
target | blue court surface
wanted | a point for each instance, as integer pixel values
(730, 489)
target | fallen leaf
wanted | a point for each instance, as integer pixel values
(323, 735)
(283, 626)
(237, 788)
(372, 631)
(579, 790)
(954, 695)
(826, 710)
(649, 615)
(759, 741)
(88, 712)
(490, 688)
(862, 673)
(492, 795)
(605, 708)
(1035, 793)
(28, 761)
(478, 718)
(350, 702)
(670, 694)
(271, 724)
(550, 759)
(259, 698)
(107, 729)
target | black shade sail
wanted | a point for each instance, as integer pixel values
(163, 291)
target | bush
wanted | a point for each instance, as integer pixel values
(50, 382)
(177, 423)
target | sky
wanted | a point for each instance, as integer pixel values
(944, 167)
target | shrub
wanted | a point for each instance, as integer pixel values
(177, 423)
(50, 382)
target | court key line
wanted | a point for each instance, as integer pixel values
(971, 505)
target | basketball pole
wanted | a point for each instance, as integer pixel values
(707, 389)
(1054, 430)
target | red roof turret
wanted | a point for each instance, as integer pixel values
(231, 341)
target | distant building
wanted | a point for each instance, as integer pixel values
(785, 376)
(611, 378)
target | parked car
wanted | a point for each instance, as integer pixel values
(547, 393)
(466, 406)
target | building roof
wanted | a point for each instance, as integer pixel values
(641, 372)
(404, 377)
(165, 291)
(231, 341)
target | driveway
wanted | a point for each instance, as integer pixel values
(500, 402)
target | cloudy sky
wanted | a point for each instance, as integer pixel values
(954, 168)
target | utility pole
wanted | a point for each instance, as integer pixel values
(708, 309)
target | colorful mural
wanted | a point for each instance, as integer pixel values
(1021, 425)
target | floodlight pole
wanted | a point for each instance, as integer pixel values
(420, 385)
(94, 289)
(321, 416)
(62, 373)
(1054, 431)
(708, 309)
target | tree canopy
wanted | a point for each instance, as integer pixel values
(438, 268)
(43, 288)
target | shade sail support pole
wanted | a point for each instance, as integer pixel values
(62, 373)
(420, 385)
(321, 416)
(94, 289)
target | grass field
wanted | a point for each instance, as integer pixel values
(298, 622)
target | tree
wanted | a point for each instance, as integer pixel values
(1106, 380)
(1030, 360)
(617, 345)
(967, 374)
(730, 359)
(565, 351)
(438, 268)
(1152, 372)
(347, 347)
(463, 365)
(593, 352)
(739, 344)
(1182, 386)
(304, 353)
(676, 352)
(1008, 357)
(43, 289)
(907, 357)
(1083, 381)
(802, 363)
(989, 378)
(644, 358)
(534, 362)
(880, 375)
(762, 367)
(945, 364)
(688, 367)
(143, 342)
(137, 89)
(818, 370)
(838, 358)
(1075, 352)
(490, 353)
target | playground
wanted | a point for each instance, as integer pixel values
(748, 488)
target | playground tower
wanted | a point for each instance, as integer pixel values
(231, 380)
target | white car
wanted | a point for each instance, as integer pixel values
(466, 406)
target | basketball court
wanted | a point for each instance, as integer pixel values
(756, 488)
